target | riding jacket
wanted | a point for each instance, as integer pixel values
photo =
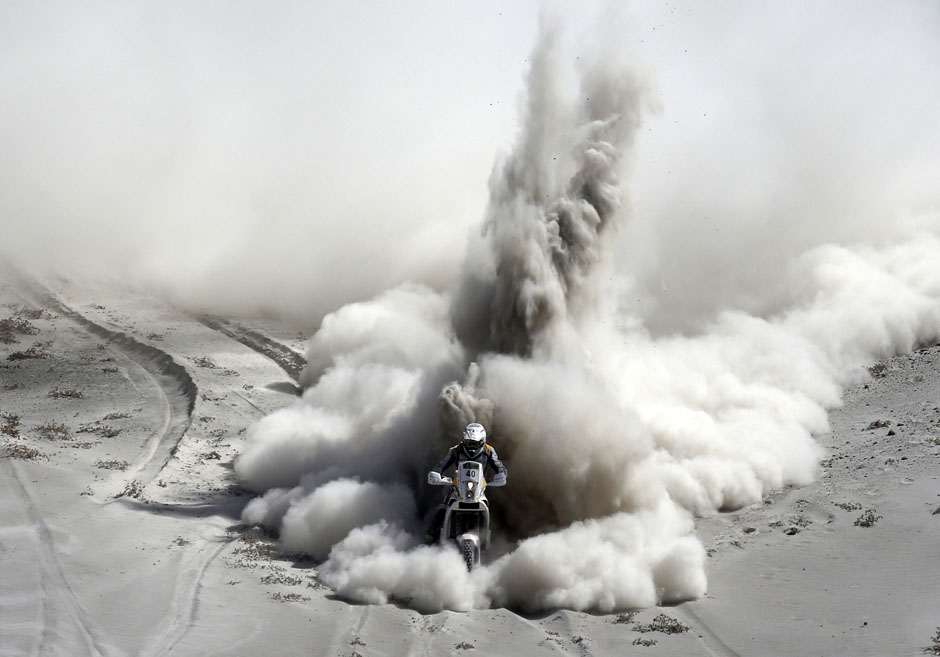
(458, 454)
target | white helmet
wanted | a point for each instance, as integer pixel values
(474, 438)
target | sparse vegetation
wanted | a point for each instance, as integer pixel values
(878, 370)
(23, 452)
(281, 576)
(133, 489)
(112, 465)
(867, 519)
(36, 351)
(255, 549)
(23, 311)
(934, 648)
(849, 506)
(625, 618)
(643, 641)
(800, 521)
(289, 597)
(103, 430)
(53, 431)
(13, 326)
(11, 424)
(463, 645)
(664, 624)
(205, 362)
(116, 416)
(65, 393)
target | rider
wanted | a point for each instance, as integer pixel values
(472, 447)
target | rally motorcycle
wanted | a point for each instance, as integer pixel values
(467, 518)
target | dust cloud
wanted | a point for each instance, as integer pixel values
(679, 267)
(616, 435)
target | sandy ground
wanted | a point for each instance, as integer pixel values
(120, 530)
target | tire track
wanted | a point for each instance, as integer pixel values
(59, 601)
(186, 604)
(712, 643)
(285, 357)
(171, 378)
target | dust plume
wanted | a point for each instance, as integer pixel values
(615, 435)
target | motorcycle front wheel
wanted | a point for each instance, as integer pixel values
(470, 555)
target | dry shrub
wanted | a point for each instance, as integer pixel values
(11, 424)
(102, 430)
(23, 452)
(112, 465)
(36, 351)
(204, 361)
(65, 393)
(664, 624)
(934, 648)
(281, 576)
(849, 506)
(289, 597)
(13, 326)
(29, 312)
(133, 489)
(867, 519)
(53, 431)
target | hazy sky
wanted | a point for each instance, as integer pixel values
(298, 155)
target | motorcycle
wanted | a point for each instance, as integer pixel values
(467, 517)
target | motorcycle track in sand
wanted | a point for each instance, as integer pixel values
(185, 603)
(710, 641)
(285, 357)
(172, 379)
(62, 615)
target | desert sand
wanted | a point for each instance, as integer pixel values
(120, 529)
(260, 267)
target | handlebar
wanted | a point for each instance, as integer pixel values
(435, 479)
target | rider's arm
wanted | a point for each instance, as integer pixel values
(495, 463)
(446, 462)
